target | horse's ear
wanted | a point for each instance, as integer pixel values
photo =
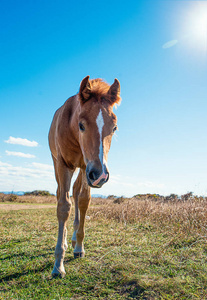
(85, 89)
(114, 92)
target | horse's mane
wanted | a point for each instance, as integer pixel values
(100, 88)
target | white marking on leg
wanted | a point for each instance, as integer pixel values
(65, 244)
(76, 221)
(59, 250)
(79, 248)
(100, 124)
(74, 236)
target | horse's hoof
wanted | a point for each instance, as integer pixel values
(58, 275)
(73, 244)
(58, 272)
(79, 254)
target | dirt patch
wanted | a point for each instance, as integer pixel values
(12, 206)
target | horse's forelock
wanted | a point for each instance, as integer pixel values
(99, 89)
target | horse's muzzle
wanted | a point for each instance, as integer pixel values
(95, 177)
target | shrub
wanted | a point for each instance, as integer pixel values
(38, 193)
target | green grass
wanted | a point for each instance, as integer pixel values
(128, 256)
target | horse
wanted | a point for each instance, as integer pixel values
(80, 137)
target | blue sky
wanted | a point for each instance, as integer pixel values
(157, 50)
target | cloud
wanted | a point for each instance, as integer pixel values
(26, 178)
(20, 141)
(117, 179)
(170, 44)
(149, 184)
(20, 154)
(7, 169)
(4, 164)
(42, 166)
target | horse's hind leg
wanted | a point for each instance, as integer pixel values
(63, 175)
(83, 203)
(76, 191)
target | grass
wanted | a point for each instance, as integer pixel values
(135, 249)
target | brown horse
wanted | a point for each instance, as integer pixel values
(80, 137)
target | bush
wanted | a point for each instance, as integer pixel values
(12, 198)
(120, 200)
(38, 193)
(112, 197)
(8, 197)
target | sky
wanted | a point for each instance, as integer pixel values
(157, 50)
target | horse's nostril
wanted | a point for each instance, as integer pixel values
(92, 175)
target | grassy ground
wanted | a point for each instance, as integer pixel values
(135, 249)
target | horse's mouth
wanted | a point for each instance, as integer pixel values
(99, 184)
(97, 181)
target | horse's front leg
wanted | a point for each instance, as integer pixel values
(83, 203)
(76, 192)
(64, 175)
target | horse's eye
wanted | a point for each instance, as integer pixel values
(115, 128)
(81, 127)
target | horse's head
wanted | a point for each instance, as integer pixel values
(97, 123)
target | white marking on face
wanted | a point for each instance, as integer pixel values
(100, 124)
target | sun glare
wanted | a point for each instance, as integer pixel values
(199, 25)
(193, 29)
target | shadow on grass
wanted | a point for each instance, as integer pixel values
(13, 242)
(132, 290)
(26, 255)
(16, 275)
(45, 266)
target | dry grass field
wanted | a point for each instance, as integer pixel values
(146, 247)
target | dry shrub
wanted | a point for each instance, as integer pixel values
(183, 215)
(2, 197)
(27, 198)
(36, 199)
(120, 200)
(8, 197)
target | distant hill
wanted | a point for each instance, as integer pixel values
(33, 193)
(19, 193)
(98, 196)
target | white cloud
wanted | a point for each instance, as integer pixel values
(149, 184)
(129, 185)
(18, 178)
(24, 172)
(4, 164)
(170, 44)
(20, 141)
(42, 166)
(117, 179)
(20, 154)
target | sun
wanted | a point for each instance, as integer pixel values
(199, 23)
(194, 28)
